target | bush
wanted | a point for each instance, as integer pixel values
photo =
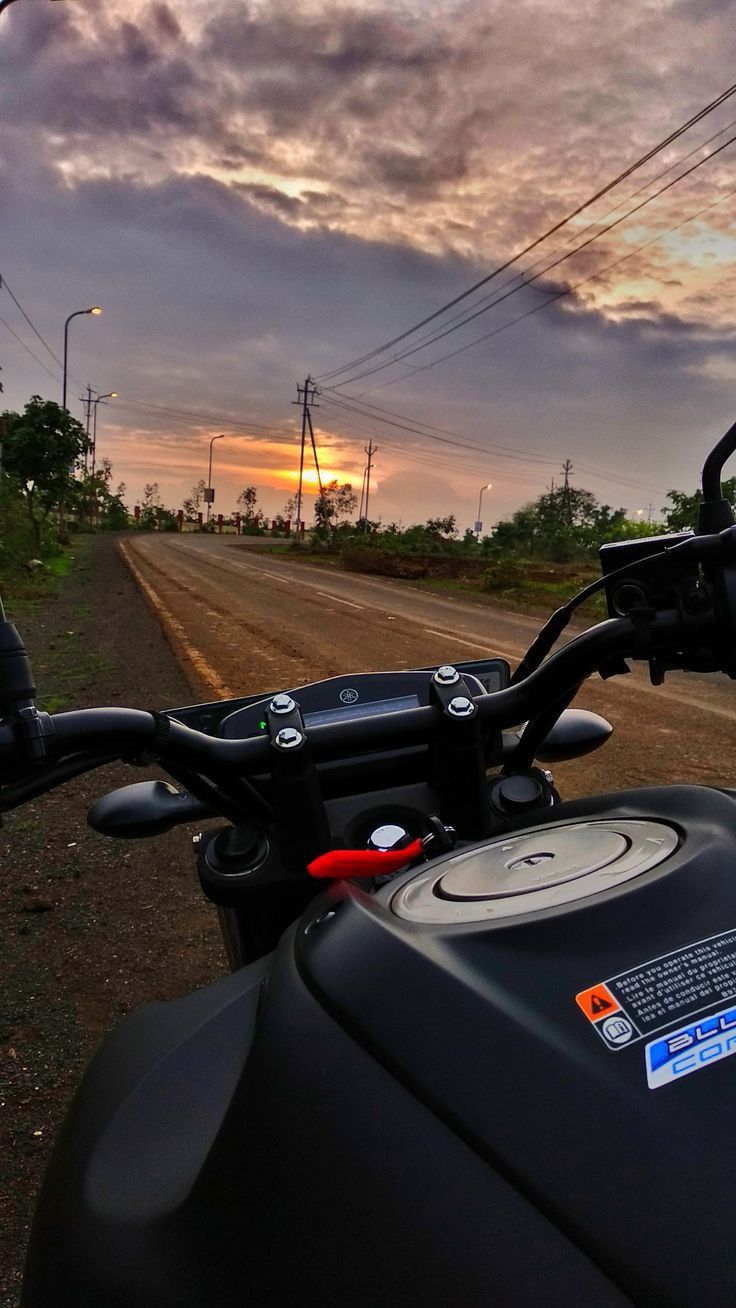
(505, 572)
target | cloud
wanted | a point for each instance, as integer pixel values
(257, 190)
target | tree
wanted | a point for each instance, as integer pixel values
(251, 514)
(248, 500)
(444, 527)
(151, 505)
(564, 524)
(191, 504)
(683, 513)
(42, 447)
(333, 505)
(96, 503)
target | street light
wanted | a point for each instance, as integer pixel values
(221, 437)
(95, 309)
(479, 525)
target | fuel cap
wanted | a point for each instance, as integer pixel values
(530, 862)
(541, 868)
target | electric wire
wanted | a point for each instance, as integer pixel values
(555, 263)
(451, 462)
(28, 350)
(338, 398)
(490, 450)
(457, 442)
(42, 339)
(586, 204)
(575, 236)
(575, 286)
(32, 326)
(192, 415)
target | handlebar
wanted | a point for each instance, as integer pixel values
(141, 736)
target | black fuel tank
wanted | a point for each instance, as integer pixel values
(573, 1023)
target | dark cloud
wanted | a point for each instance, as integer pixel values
(253, 191)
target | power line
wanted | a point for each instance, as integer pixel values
(28, 350)
(34, 329)
(487, 448)
(555, 263)
(357, 405)
(32, 326)
(586, 204)
(454, 463)
(192, 415)
(570, 290)
(575, 236)
(466, 450)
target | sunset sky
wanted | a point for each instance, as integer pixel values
(255, 192)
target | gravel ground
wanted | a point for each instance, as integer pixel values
(89, 928)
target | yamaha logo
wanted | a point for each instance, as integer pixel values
(348, 696)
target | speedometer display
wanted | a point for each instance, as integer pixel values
(367, 710)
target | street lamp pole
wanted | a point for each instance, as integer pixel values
(221, 437)
(95, 309)
(479, 524)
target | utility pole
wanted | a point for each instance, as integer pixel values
(314, 450)
(306, 394)
(87, 402)
(566, 471)
(94, 439)
(370, 450)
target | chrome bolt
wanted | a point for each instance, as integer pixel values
(446, 675)
(289, 738)
(461, 707)
(282, 704)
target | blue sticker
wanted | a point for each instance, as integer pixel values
(691, 1048)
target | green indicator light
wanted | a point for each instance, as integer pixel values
(263, 725)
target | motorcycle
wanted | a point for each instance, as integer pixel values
(474, 1044)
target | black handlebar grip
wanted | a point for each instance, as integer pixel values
(16, 675)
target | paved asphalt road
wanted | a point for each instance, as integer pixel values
(243, 621)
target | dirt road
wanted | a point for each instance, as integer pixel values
(89, 928)
(242, 622)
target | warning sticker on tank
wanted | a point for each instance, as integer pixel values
(662, 992)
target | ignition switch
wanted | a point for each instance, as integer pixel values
(521, 792)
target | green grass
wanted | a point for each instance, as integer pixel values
(527, 597)
(65, 667)
(59, 565)
(24, 592)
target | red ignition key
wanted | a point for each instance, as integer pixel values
(342, 863)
